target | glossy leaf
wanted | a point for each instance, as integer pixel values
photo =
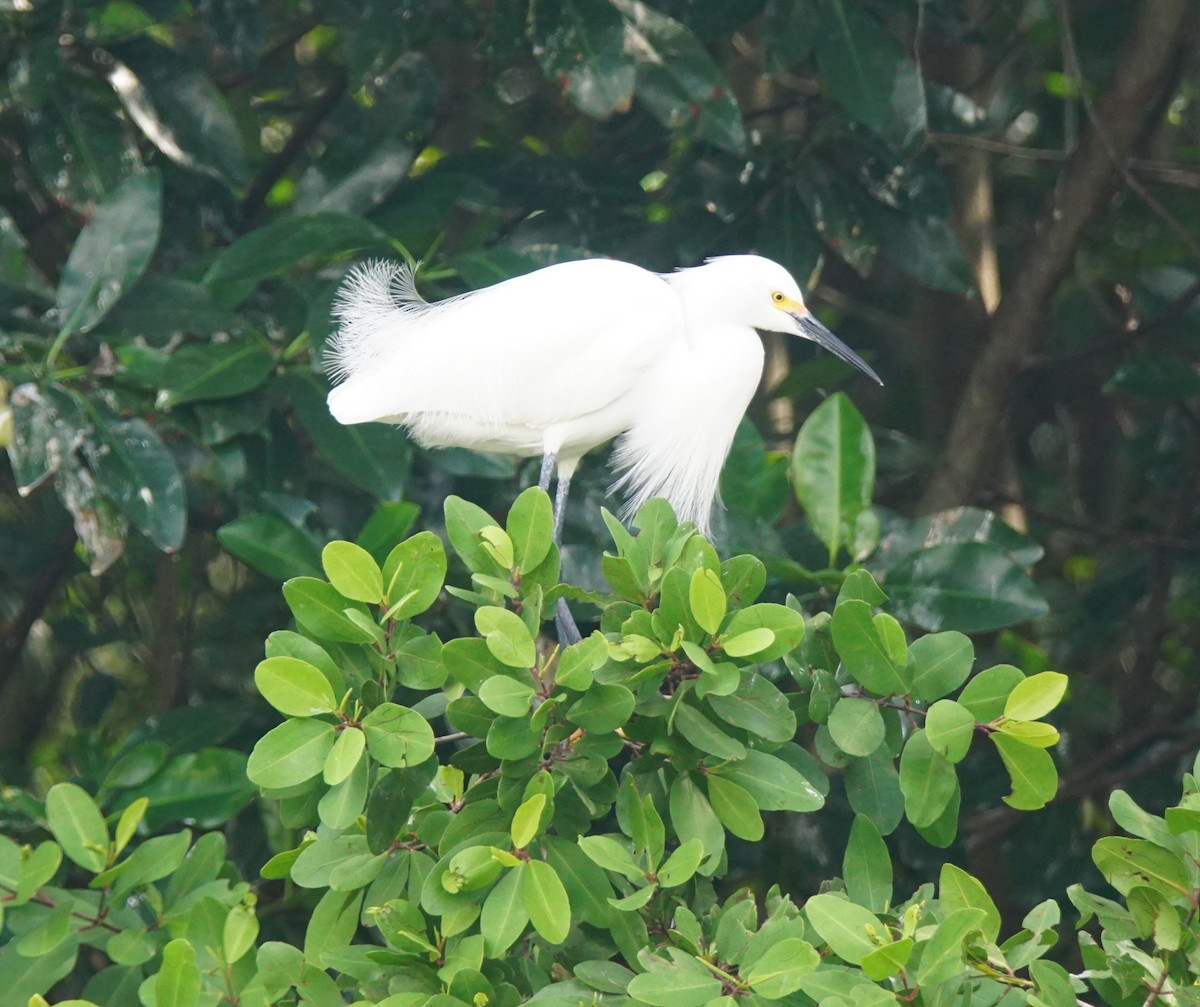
(969, 587)
(76, 822)
(833, 468)
(111, 252)
(677, 79)
(294, 687)
(867, 867)
(580, 46)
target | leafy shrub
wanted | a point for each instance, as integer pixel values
(566, 836)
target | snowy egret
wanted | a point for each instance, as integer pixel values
(563, 359)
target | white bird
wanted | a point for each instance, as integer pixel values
(559, 361)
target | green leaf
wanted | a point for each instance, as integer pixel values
(681, 865)
(962, 524)
(833, 469)
(959, 890)
(706, 597)
(847, 928)
(702, 733)
(602, 709)
(291, 753)
(601, 82)
(987, 693)
(757, 707)
(506, 696)
(527, 819)
(949, 728)
(736, 809)
(270, 249)
(180, 110)
(867, 867)
(777, 973)
(344, 756)
(927, 780)
(753, 641)
(1034, 697)
(856, 726)
(531, 528)
(294, 687)
(941, 663)
(863, 652)
(49, 933)
(773, 784)
(587, 886)
(321, 610)
(786, 624)
(545, 901)
(271, 546)
(504, 914)
(888, 960)
(388, 523)
(353, 572)
(196, 373)
(134, 470)
(398, 736)
(675, 986)
(111, 253)
(1127, 863)
(1030, 732)
(415, 570)
(508, 638)
(612, 856)
(177, 983)
(239, 933)
(970, 587)
(1034, 778)
(577, 662)
(76, 822)
(942, 954)
(868, 73)
(678, 80)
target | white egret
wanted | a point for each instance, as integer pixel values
(561, 360)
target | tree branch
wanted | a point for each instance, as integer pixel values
(1142, 69)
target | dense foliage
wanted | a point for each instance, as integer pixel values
(978, 196)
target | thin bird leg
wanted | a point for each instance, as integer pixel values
(560, 506)
(564, 622)
(545, 474)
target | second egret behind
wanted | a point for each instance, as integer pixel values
(563, 359)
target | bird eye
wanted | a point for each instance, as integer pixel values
(777, 297)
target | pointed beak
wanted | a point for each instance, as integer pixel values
(810, 328)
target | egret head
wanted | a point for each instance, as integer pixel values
(771, 300)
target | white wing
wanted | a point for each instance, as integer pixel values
(555, 344)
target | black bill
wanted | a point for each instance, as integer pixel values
(810, 328)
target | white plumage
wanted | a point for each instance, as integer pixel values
(561, 360)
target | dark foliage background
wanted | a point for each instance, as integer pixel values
(996, 203)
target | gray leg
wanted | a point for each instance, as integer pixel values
(545, 474)
(560, 506)
(568, 632)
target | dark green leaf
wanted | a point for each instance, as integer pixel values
(678, 80)
(833, 468)
(111, 252)
(580, 46)
(271, 546)
(968, 586)
(215, 371)
(135, 471)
